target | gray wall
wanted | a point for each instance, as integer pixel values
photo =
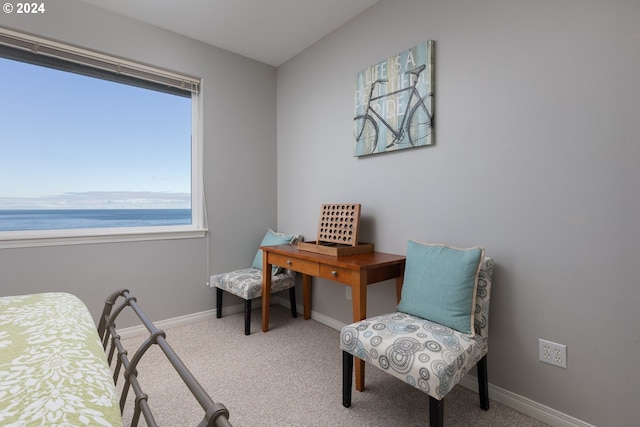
(240, 175)
(537, 130)
(536, 158)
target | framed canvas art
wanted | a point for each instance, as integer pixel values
(394, 102)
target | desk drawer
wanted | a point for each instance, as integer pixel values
(295, 264)
(337, 274)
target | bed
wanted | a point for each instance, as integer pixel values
(54, 370)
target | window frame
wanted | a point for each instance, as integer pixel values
(125, 72)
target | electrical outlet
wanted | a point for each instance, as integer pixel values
(349, 293)
(552, 353)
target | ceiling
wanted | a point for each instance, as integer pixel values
(270, 31)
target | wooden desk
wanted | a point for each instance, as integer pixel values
(356, 271)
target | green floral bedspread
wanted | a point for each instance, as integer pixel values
(53, 371)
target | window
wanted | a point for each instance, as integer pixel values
(87, 151)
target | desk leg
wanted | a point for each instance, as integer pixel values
(306, 296)
(359, 374)
(359, 303)
(266, 292)
(399, 282)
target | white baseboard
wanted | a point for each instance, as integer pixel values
(195, 317)
(512, 400)
(135, 331)
(526, 406)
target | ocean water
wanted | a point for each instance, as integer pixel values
(14, 220)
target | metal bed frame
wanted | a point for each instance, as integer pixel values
(216, 414)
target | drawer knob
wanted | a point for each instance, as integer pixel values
(289, 262)
(334, 273)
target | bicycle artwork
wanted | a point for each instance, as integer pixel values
(394, 103)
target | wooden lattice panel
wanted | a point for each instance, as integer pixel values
(339, 224)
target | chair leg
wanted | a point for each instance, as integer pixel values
(436, 412)
(347, 378)
(483, 383)
(292, 300)
(218, 303)
(247, 316)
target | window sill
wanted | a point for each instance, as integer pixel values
(25, 239)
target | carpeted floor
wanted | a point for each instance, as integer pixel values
(290, 376)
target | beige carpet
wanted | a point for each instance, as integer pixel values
(290, 376)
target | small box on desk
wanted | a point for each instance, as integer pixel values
(335, 249)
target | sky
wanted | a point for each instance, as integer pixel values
(71, 141)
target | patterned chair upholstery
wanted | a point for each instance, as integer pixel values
(428, 356)
(247, 284)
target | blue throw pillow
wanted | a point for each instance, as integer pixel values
(271, 239)
(440, 284)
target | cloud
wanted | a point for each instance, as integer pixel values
(101, 200)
